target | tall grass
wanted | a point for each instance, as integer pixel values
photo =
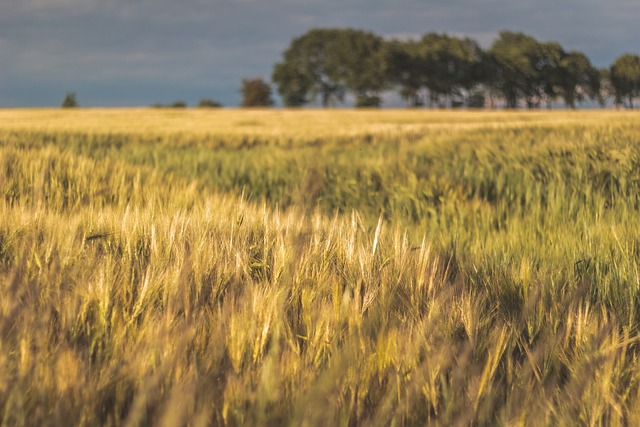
(484, 275)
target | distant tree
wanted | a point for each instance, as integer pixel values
(325, 64)
(294, 86)
(360, 65)
(209, 103)
(404, 70)
(178, 104)
(450, 67)
(488, 78)
(309, 69)
(625, 79)
(578, 79)
(548, 59)
(256, 93)
(70, 100)
(517, 68)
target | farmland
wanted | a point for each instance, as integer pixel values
(319, 267)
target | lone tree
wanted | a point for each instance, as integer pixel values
(70, 100)
(256, 93)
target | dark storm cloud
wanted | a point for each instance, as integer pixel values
(128, 52)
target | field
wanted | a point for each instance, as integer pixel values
(226, 267)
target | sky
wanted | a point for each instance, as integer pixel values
(142, 52)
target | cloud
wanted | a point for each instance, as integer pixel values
(214, 43)
(37, 5)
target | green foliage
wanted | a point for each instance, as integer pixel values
(360, 66)
(515, 59)
(524, 68)
(310, 69)
(449, 65)
(327, 63)
(70, 100)
(438, 69)
(405, 70)
(256, 93)
(208, 103)
(625, 78)
(176, 104)
(578, 78)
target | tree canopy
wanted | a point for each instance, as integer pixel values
(256, 93)
(330, 65)
(625, 79)
(70, 100)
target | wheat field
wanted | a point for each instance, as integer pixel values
(319, 267)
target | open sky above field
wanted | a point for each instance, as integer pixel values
(140, 52)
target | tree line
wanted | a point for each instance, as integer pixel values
(440, 70)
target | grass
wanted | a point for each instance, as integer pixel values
(319, 268)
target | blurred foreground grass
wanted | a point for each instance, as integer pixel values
(319, 267)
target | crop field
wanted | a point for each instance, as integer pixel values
(319, 267)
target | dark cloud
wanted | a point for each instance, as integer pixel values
(136, 52)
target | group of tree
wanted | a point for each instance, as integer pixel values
(255, 93)
(324, 65)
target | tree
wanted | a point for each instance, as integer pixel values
(256, 93)
(360, 65)
(450, 67)
(293, 85)
(578, 79)
(404, 70)
(487, 77)
(517, 61)
(325, 65)
(309, 70)
(550, 77)
(70, 100)
(328, 63)
(625, 78)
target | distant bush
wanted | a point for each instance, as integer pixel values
(209, 103)
(176, 104)
(70, 100)
(256, 93)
